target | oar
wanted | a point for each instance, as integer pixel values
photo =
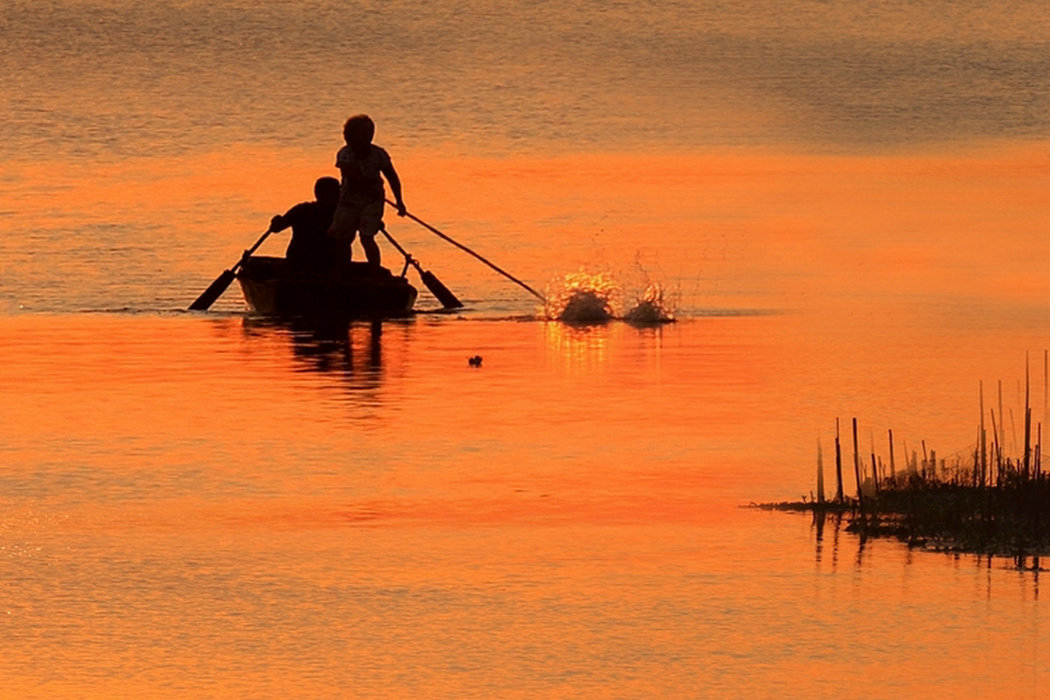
(440, 291)
(462, 247)
(222, 282)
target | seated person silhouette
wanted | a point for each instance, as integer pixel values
(311, 249)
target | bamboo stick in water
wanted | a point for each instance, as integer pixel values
(856, 466)
(838, 464)
(820, 474)
(893, 469)
(1027, 419)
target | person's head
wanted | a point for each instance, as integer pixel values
(326, 190)
(358, 131)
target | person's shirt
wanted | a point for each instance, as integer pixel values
(310, 245)
(362, 177)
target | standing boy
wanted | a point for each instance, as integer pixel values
(363, 166)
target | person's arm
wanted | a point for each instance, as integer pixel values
(283, 221)
(395, 186)
(278, 223)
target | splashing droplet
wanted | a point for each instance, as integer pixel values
(651, 307)
(581, 297)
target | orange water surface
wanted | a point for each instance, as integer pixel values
(210, 503)
(844, 207)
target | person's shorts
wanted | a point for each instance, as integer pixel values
(351, 217)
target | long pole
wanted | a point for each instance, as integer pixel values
(856, 467)
(838, 465)
(1027, 419)
(983, 439)
(893, 467)
(464, 248)
(820, 474)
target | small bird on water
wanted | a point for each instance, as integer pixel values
(474, 361)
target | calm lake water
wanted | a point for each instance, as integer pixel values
(845, 206)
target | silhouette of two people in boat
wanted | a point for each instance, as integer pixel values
(324, 230)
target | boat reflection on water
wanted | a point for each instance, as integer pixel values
(350, 348)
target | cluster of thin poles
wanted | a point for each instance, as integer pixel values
(990, 467)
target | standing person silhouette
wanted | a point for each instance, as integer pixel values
(363, 165)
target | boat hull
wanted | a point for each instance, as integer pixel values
(272, 287)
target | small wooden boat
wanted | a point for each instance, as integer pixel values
(272, 287)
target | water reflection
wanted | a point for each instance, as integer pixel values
(820, 520)
(587, 346)
(1027, 566)
(580, 346)
(350, 349)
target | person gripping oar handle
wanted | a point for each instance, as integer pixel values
(464, 248)
(222, 282)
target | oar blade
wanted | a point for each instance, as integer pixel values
(213, 292)
(440, 291)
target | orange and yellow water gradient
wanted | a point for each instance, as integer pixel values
(698, 229)
(890, 285)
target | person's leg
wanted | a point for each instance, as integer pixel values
(370, 223)
(371, 249)
(343, 230)
(344, 221)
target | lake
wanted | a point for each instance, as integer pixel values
(845, 208)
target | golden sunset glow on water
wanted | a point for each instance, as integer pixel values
(749, 224)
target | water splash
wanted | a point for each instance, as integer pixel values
(651, 307)
(582, 297)
(585, 297)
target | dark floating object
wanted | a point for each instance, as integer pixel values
(586, 306)
(474, 361)
(272, 287)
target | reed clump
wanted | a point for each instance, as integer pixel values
(948, 511)
(981, 502)
(1005, 519)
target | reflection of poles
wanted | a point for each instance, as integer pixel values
(835, 540)
(818, 522)
(862, 537)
